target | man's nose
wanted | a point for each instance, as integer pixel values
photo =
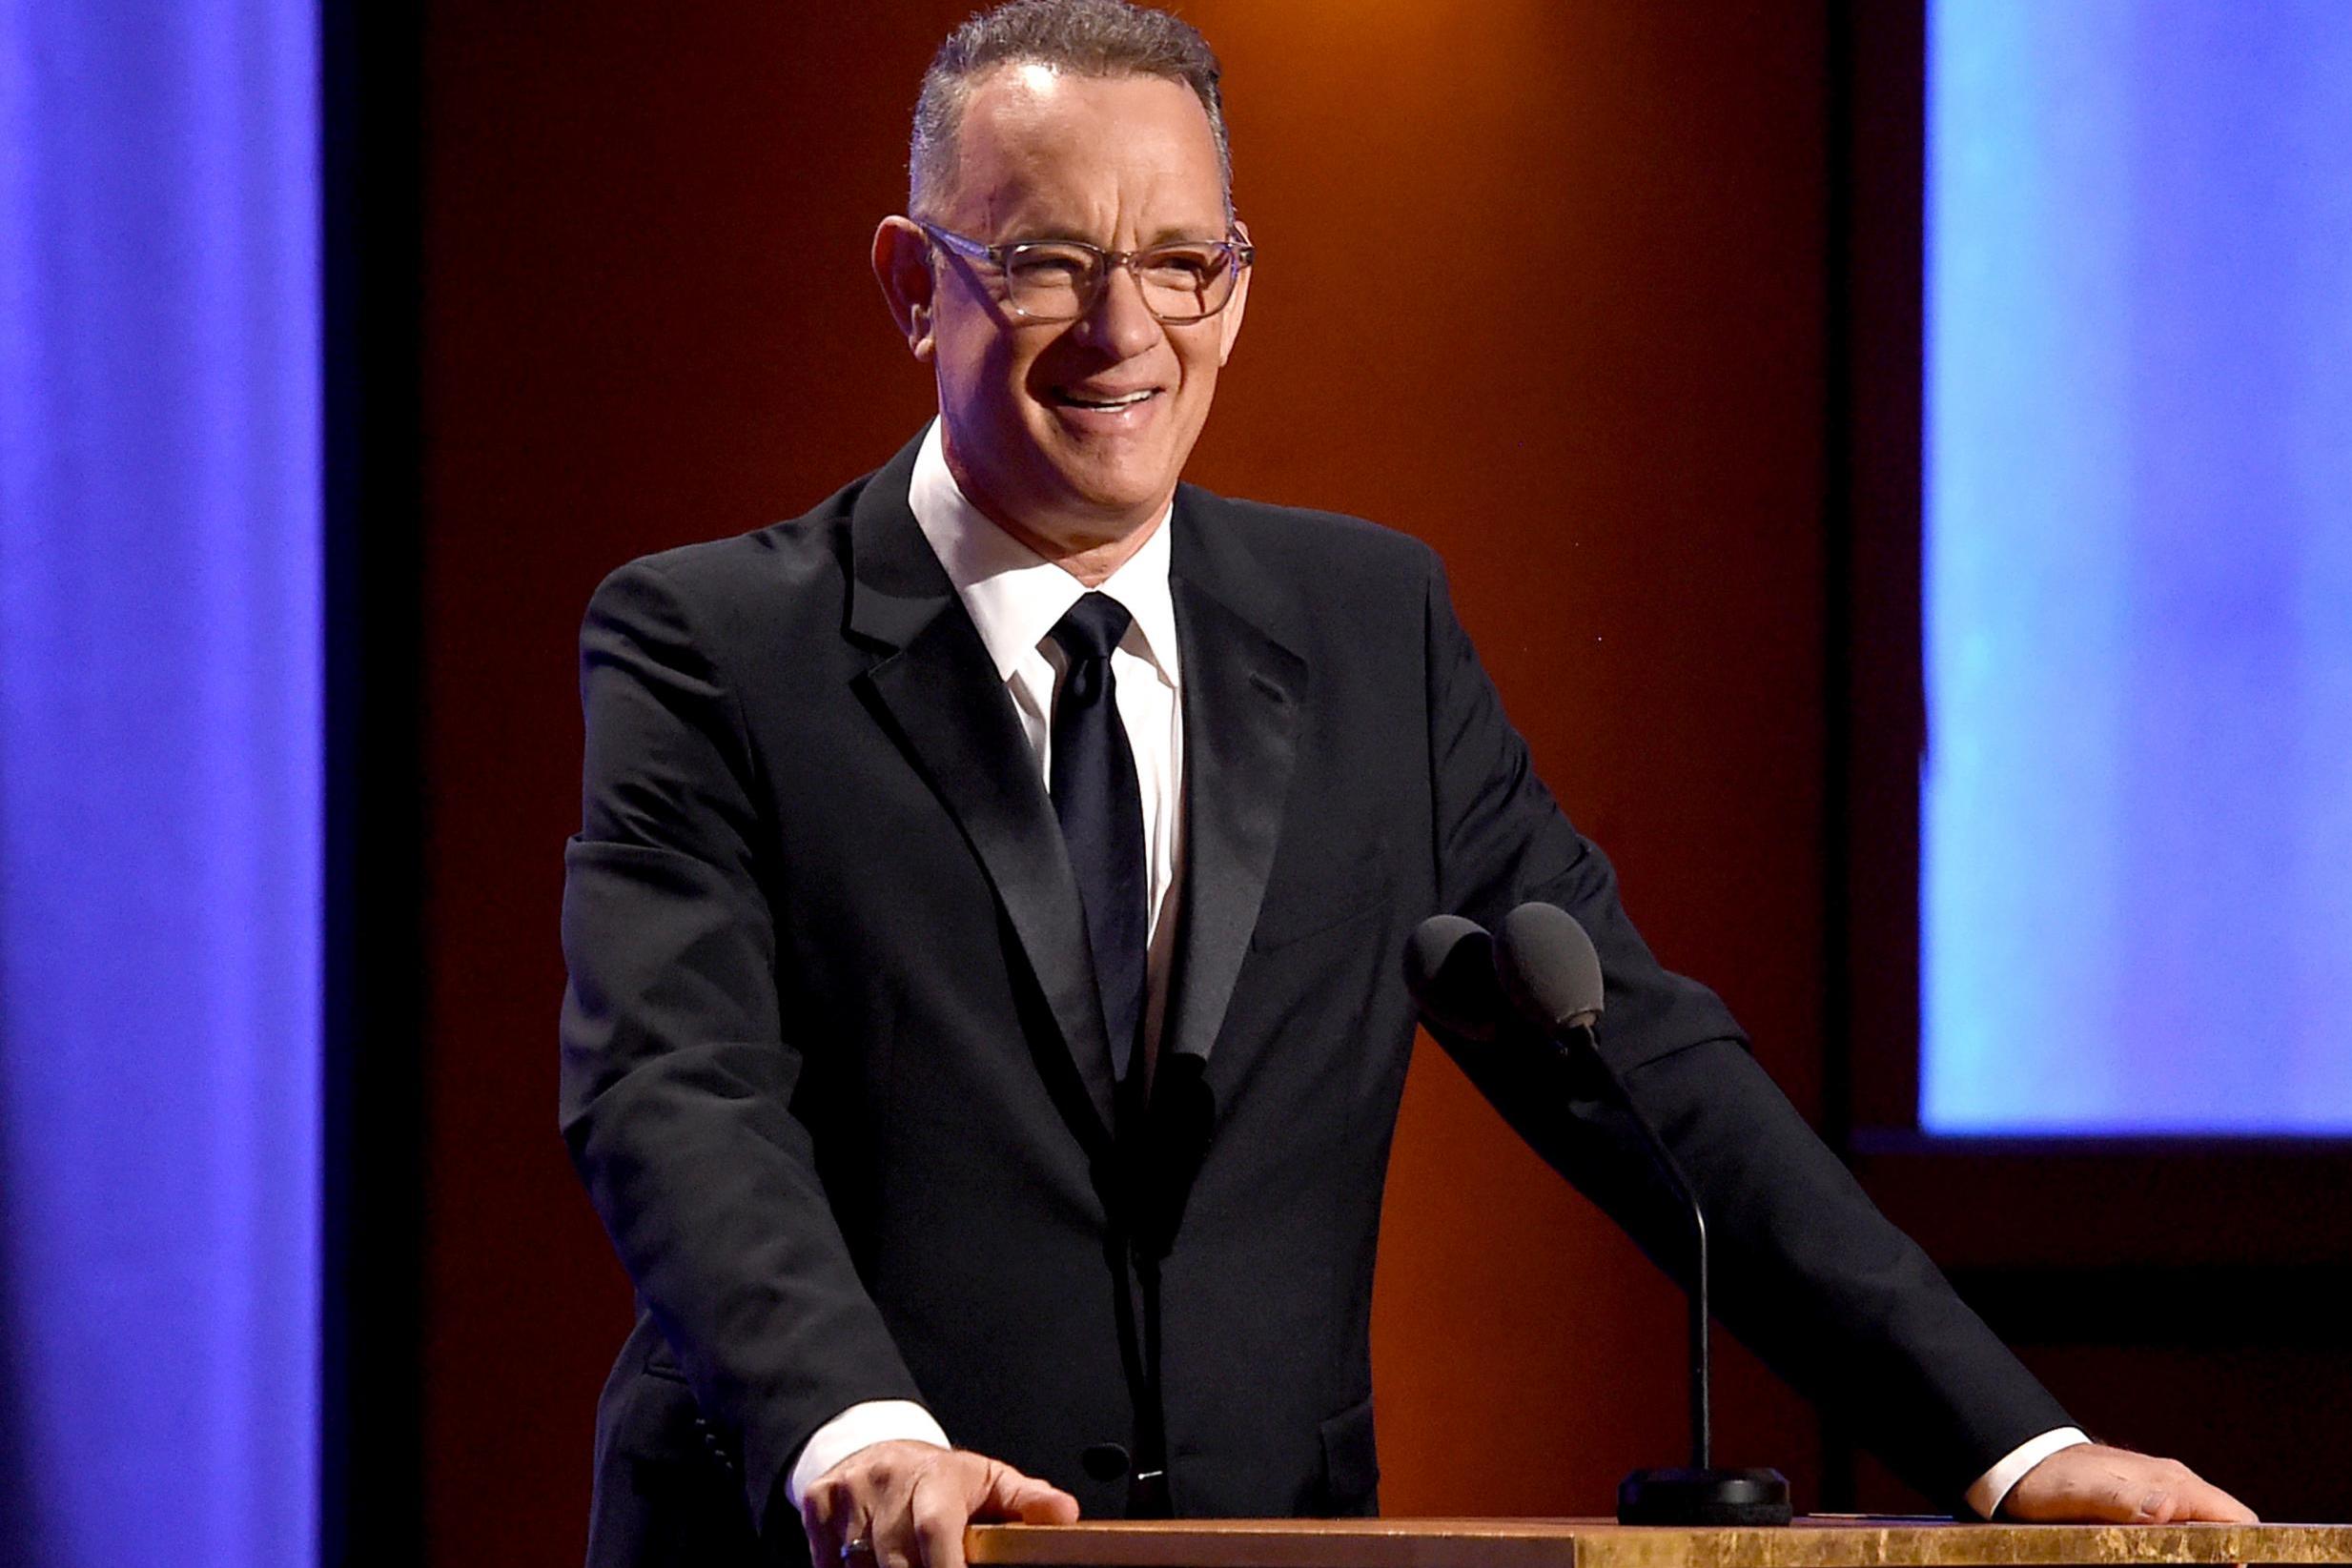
(1121, 323)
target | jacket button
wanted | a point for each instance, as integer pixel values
(1105, 1461)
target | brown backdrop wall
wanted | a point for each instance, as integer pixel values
(1588, 369)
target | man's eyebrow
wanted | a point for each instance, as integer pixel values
(1184, 234)
(1044, 234)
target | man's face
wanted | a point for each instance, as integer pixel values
(1044, 424)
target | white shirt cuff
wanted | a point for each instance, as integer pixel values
(1993, 1486)
(860, 1426)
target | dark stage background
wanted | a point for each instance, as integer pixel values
(1606, 391)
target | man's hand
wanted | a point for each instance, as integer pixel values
(908, 1504)
(2094, 1484)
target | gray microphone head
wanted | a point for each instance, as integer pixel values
(1449, 967)
(1550, 969)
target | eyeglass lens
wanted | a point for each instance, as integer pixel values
(1179, 282)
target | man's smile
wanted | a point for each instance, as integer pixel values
(1094, 412)
(1094, 399)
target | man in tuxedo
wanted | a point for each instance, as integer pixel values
(984, 1020)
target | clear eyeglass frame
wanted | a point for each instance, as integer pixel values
(1200, 267)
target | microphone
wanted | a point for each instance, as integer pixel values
(1449, 966)
(1547, 970)
(1552, 975)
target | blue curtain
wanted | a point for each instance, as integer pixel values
(161, 789)
(2137, 809)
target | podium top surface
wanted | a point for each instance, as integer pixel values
(1814, 1542)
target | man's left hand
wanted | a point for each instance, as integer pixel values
(2094, 1484)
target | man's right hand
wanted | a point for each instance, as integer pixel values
(907, 1504)
(2095, 1485)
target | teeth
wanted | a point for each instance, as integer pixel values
(1128, 401)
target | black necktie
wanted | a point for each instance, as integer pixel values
(1101, 812)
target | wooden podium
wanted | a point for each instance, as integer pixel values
(1832, 1541)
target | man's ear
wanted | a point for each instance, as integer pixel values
(1229, 320)
(903, 267)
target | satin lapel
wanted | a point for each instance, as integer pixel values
(1245, 700)
(941, 693)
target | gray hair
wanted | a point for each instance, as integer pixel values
(1095, 38)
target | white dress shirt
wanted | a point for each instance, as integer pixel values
(1014, 597)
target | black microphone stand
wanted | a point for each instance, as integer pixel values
(1698, 1494)
(1550, 974)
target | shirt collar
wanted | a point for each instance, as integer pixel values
(1013, 595)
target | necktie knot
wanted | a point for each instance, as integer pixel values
(1093, 627)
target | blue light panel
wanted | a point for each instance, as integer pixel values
(160, 805)
(2137, 801)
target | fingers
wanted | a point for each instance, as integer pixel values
(1012, 1496)
(2197, 1499)
(854, 1502)
(831, 1516)
(2155, 1491)
(938, 1514)
(908, 1504)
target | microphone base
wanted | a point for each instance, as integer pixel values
(1728, 1498)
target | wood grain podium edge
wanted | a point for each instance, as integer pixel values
(1600, 1543)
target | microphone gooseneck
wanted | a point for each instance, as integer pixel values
(1549, 972)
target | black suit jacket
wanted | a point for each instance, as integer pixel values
(836, 1079)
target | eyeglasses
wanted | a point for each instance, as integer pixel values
(1061, 279)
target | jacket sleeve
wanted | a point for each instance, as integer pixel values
(1804, 1269)
(678, 1071)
